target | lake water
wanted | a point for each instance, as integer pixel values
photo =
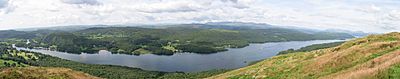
(187, 62)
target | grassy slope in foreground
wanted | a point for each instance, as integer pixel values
(372, 57)
(42, 73)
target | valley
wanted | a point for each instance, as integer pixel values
(193, 38)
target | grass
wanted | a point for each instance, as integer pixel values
(43, 73)
(393, 72)
(242, 77)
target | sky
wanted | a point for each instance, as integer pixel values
(355, 15)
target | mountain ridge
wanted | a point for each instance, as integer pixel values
(248, 25)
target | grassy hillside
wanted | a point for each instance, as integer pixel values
(42, 73)
(372, 57)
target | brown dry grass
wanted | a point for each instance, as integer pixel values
(370, 69)
(44, 72)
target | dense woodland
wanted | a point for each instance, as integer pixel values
(194, 38)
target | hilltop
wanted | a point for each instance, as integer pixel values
(371, 57)
(42, 73)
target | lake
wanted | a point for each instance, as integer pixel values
(187, 62)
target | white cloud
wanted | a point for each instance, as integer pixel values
(3, 3)
(364, 15)
(82, 2)
(6, 6)
(183, 6)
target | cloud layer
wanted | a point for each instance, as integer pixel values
(357, 15)
(82, 2)
(3, 3)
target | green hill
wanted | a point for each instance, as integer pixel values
(68, 42)
(15, 34)
(372, 57)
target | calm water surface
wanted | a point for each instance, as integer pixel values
(187, 62)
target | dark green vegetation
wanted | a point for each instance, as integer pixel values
(311, 48)
(393, 72)
(371, 57)
(195, 38)
(13, 58)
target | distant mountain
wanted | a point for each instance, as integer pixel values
(332, 35)
(250, 25)
(354, 33)
(243, 25)
(209, 25)
(15, 34)
(63, 28)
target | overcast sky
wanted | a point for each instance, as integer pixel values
(356, 15)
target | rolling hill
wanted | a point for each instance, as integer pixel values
(15, 34)
(371, 57)
(43, 73)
